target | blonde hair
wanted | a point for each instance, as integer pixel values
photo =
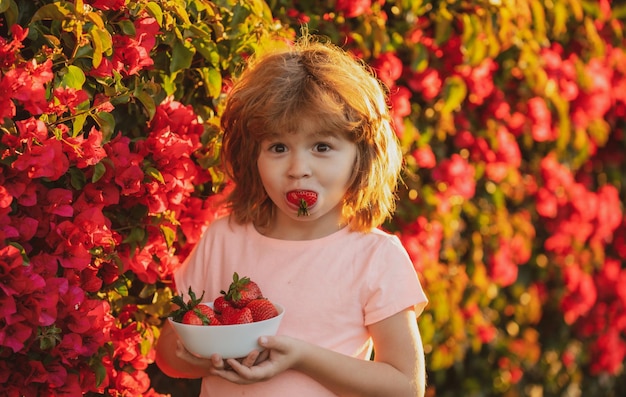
(317, 81)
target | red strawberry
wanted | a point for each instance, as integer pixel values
(192, 312)
(241, 291)
(262, 309)
(308, 196)
(303, 199)
(234, 315)
(220, 303)
(201, 315)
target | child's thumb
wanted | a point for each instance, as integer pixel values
(264, 341)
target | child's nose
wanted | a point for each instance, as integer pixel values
(299, 167)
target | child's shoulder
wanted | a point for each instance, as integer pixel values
(225, 224)
(377, 237)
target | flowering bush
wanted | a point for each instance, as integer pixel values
(108, 130)
(511, 118)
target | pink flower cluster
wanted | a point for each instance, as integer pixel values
(594, 299)
(481, 147)
(82, 219)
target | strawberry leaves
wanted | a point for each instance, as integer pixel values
(303, 209)
(184, 307)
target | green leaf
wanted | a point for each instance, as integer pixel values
(25, 259)
(102, 44)
(539, 20)
(48, 337)
(77, 178)
(10, 10)
(106, 122)
(144, 346)
(4, 5)
(213, 81)
(100, 371)
(98, 172)
(208, 50)
(182, 54)
(55, 11)
(97, 49)
(148, 102)
(127, 27)
(137, 235)
(154, 173)
(169, 234)
(454, 93)
(78, 122)
(155, 10)
(180, 11)
(74, 77)
(96, 19)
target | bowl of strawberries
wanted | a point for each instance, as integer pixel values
(229, 325)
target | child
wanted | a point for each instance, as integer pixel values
(315, 162)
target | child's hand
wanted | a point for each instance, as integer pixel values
(280, 355)
(215, 362)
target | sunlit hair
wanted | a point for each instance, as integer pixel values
(320, 83)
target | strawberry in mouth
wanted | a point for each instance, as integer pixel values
(304, 199)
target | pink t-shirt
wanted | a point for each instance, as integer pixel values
(332, 288)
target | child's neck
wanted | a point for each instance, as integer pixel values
(289, 229)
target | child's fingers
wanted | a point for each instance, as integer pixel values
(250, 360)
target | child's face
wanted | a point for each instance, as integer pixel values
(307, 165)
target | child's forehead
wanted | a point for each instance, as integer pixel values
(302, 126)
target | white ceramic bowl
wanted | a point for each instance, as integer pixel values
(229, 341)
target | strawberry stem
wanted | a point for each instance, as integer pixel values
(303, 210)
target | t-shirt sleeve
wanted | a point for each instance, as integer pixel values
(393, 284)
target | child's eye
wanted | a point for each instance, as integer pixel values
(278, 148)
(322, 147)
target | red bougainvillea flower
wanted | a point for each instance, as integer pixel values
(388, 68)
(608, 352)
(46, 160)
(129, 57)
(424, 157)
(400, 107)
(97, 195)
(561, 71)
(67, 99)
(427, 84)
(132, 54)
(501, 154)
(300, 17)
(502, 268)
(486, 333)
(541, 120)
(353, 8)
(580, 293)
(9, 50)
(595, 100)
(85, 150)
(555, 175)
(422, 240)
(609, 214)
(29, 84)
(479, 80)
(458, 176)
(106, 5)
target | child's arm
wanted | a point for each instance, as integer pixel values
(398, 369)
